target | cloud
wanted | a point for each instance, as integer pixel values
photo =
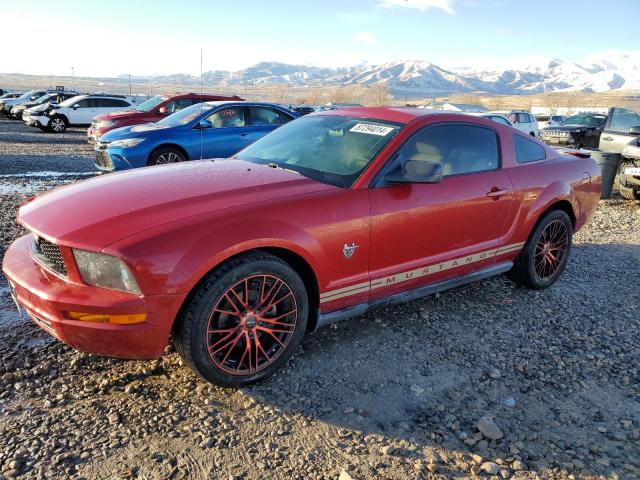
(422, 5)
(365, 37)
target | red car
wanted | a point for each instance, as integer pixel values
(320, 220)
(152, 110)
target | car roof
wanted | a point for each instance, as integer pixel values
(390, 114)
(216, 103)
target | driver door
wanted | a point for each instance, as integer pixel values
(616, 134)
(423, 233)
(228, 133)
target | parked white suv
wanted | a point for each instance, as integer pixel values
(80, 110)
(524, 121)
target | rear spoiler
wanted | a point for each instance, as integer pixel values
(580, 153)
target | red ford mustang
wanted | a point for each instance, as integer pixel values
(324, 218)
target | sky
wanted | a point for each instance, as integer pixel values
(143, 37)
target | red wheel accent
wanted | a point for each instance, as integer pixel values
(251, 324)
(551, 249)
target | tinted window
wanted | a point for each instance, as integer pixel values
(459, 148)
(622, 120)
(542, 118)
(265, 116)
(228, 117)
(528, 150)
(178, 105)
(85, 103)
(110, 102)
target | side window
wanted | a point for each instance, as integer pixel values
(110, 103)
(459, 148)
(527, 150)
(176, 105)
(228, 117)
(85, 103)
(513, 117)
(261, 116)
(622, 120)
(523, 118)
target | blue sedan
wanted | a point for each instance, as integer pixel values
(204, 130)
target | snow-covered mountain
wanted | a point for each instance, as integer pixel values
(611, 71)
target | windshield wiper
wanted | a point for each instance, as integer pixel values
(275, 165)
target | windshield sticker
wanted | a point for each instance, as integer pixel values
(371, 129)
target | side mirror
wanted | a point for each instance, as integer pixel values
(634, 130)
(416, 171)
(204, 123)
(163, 111)
(75, 107)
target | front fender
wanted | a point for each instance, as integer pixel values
(162, 268)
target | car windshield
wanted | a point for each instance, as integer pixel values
(586, 120)
(150, 104)
(27, 94)
(69, 101)
(44, 98)
(330, 149)
(184, 116)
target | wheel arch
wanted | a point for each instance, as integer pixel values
(295, 260)
(170, 145)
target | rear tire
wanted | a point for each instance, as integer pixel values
(244, 321)
(165, 155)
(546, 253)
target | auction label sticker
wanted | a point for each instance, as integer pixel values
(633, 171)
(371, 129)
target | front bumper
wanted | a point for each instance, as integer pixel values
(551, 140)
(109, 159)
(48, 299)
(35, 120)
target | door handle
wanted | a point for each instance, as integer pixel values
(608, 139)
(496, 193)
(244, 134)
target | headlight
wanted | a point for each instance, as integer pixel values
(129, 142)
(106, 124)
(105, 271)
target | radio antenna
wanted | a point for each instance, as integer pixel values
(201, 105)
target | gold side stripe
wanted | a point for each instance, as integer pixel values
(345, 289)
(417, 273)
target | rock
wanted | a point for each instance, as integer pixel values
(348, 410)
(344, 475)
(490, 467)
(476, 458)
(509, 402)
(518, 465)
(114, 418)
(489, 429)
(494, 373)
(387, 450)
(416, 390)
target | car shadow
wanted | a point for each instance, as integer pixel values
(423, 373)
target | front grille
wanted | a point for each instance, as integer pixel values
(94, 124)
(49, 255)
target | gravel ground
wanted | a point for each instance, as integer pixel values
(485, 380)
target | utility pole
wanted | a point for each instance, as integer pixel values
(245, 85)
(129, 84)
(73, 78)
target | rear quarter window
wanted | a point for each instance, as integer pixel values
(528, 150)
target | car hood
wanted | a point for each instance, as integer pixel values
(132, 131)
(95, 213)
(570, 128)
(125, 115)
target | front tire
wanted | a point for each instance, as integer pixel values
(58, 124)
(244, 321)
(630, 193)
(165, 155)
(546, 253)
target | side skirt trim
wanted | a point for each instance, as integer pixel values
(325, 319)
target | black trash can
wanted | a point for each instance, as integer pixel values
(608, 163)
